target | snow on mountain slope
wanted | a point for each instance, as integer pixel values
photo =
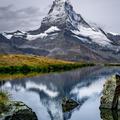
(63, 14)
(33, 37)
(29, 36)
(96, 36)
(7, 36)
(52, 29)
(115, 34)
(14, 34)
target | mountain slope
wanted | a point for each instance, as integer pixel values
(66, 35)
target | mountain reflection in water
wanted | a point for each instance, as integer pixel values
(44, 93)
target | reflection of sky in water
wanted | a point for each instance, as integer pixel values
(44, 93)
(92, 89)
(89, 110)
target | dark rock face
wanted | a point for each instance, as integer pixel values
(6, 46)
(115, 38)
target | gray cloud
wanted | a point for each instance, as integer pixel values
(12, 19)
(27, 14)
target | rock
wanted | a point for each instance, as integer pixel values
(107, 114)
(68, 104)
(18, 111)
(111, 94)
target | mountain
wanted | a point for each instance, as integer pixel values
(64, 34)
(114, 37)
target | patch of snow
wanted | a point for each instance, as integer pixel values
(43, 35)
(7, 36)
(19, 34)
(52, 29)
(96, 36)
(33, 37)
(114, 33)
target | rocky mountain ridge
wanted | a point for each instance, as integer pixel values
(64, 34)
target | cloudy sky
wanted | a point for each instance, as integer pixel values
(27, 14)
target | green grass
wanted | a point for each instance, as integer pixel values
(112, 64)
(15, 64)
(25, 69)
(8, 76)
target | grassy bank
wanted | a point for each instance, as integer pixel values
(8, 76)
(41, 69)
(14, 64)
(113, 64)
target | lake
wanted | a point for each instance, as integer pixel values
(44, 93)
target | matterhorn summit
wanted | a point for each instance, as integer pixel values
(62, 15)
(64, 34)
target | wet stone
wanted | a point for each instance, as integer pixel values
(68, 104)
(107, 114)
(18, 111)
(111, 94)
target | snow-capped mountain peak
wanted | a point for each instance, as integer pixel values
(58, 6)
(64, 34)
(62, 15)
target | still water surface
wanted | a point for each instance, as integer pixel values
(44, 93)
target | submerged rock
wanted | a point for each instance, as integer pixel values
(111, 94)
(18, 111)
(68, 104)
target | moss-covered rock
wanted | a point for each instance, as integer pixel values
(107, 114)
(18, 111)
(111, 94)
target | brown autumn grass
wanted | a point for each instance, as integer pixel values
(25, 64)
(30, 60)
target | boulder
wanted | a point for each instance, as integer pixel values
(107, 114)
(111, 94)
(18, 111)
(68, 104)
